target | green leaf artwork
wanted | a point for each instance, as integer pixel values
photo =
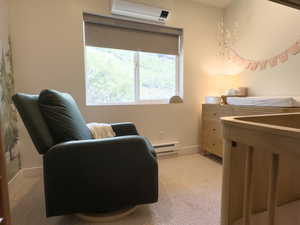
(7, 111)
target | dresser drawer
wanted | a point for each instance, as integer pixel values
(212, 136)
(211, 111)
(212, 128)
(214, 145)
(291, 110)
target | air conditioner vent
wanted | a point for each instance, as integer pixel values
(291, 3)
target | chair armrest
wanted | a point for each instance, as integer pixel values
(127, 151)
(116, 146)
(124, 129)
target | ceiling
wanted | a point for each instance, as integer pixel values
(217, 3)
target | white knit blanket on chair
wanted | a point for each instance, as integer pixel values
(101, 130)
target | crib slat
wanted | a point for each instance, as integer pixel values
(227, 160)
(273, 189)
(248, 188)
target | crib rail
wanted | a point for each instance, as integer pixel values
(261, 184)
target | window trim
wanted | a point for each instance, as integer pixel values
(137, 100)
(153, 102)
(137, 91)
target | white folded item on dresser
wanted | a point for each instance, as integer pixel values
(101, 130)
(278, 101)
(212, 99)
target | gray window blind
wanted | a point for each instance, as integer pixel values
(108, 32)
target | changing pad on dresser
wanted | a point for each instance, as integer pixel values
(278, 101)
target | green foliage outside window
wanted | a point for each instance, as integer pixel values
(110, 76)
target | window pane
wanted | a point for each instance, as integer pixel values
(157, 76)
(109, 76)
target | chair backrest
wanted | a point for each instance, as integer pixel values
(63, 116)
(52, 117)
(33, 119)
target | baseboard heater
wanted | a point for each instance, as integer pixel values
(166, 148)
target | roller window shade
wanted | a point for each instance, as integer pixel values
(108, 32)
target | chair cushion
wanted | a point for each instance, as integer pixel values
(63, 116)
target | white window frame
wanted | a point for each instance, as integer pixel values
(137, 82)
(137, 100)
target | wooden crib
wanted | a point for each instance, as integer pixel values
(261, 176)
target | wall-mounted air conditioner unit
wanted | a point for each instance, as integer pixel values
(291, 3)
(139, 11)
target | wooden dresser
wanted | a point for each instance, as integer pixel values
(211, 133)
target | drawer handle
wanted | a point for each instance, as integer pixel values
(213, 144)
(215, 114)
(214, 129)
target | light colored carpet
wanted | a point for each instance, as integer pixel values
(190, 189)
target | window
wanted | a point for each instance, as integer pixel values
(120, 76)
(129, 66)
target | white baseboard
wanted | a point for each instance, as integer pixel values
(192, 149)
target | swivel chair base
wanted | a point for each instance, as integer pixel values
(107, 217)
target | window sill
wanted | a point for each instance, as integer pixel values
(157, 102)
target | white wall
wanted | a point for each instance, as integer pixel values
(267, 29)
(48, 53)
